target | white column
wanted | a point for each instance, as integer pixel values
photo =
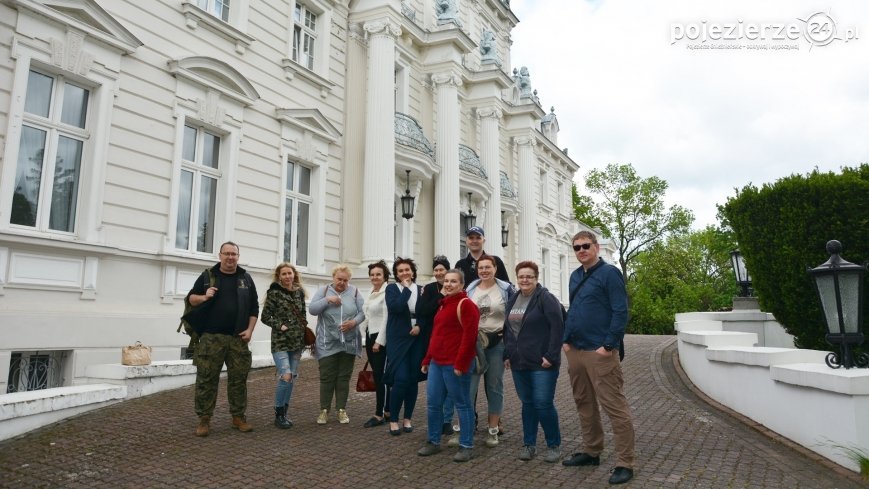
(527, 202)
(489, 139)
(446, 211)
(378, 179)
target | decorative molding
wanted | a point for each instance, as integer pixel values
(215, 74)
(382, 27)
(195, 16)
(524, 141)
(490, 112)
(291, 69)
(450, 79)
(70, 54)
(209, 109)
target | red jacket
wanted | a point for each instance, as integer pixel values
(453, 342)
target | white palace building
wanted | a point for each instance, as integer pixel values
(135, 137)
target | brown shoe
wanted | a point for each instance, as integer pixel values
(204, 426)
(241, 424)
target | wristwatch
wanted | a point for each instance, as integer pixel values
(608, 347)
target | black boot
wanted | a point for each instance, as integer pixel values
(287, 413)
(281, 418)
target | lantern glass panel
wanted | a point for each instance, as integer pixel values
(827, 292)
(849, 284)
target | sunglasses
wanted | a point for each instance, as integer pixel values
(584, 246)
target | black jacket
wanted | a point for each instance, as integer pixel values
(540, 335)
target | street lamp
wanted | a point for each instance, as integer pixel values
(743, 278)
(470, 218)
(407, 200)
(840, 287)
(504, 231)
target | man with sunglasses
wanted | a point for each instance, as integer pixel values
(594, 329)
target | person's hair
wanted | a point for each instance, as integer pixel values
(458, 272)
(230, 243)
(528, 264)
(485, 257)
(297, 279)
(585, 234)
(440, 260)
(381, 265)
(403, 261)
(342, 268)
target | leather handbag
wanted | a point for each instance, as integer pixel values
(365, 381)
(310, 337)
(137, 354)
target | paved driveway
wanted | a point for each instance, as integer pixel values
(681, 443)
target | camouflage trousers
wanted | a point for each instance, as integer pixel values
(212, 352)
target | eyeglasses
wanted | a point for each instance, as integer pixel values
(525, 277)
(584, 246)
(229, 254)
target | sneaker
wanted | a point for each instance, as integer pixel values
(527, 452)
(492, 438)
(323, 418)
(454, 440)
(428, 449)
(342, 417)
(553, 454)
(463, 455)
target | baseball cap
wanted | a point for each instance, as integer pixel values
(475, 229)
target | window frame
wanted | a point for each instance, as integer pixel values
(199, 171)
(54, 128)
(319, 74)
(297, 197)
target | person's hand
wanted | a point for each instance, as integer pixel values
(565, 347)
(407, 283)
(507, 364)
(284, 327)
(334, 299)
(246, 335)
(210, 292)
(424, 369)
(457, 372)
(376, 347)
(414, 331)
(602, 352)
(545, 363)
(348, 325)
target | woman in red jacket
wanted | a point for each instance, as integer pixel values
(449, 363)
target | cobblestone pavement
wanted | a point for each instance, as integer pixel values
(682, 442)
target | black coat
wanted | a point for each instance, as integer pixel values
(540, 335)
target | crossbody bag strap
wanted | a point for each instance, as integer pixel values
(581, 283)
(459, 311)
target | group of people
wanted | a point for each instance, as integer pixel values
(469, 325)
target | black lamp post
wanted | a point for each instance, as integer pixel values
(470, 218)
(407, 200)
(504, 231)
(743, 278)
(840, 286)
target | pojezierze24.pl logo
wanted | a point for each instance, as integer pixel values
(817, 29)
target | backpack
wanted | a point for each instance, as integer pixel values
(189, 330)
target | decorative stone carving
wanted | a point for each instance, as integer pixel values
(488, 49)
(447, 12)
(486, 112)
(209, 110)
(408, 11)
(523, 80)
(70, 54)
(446, 79)
(383, 27)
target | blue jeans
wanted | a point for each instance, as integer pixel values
(444, 383)
(286, 362)
(493, 378)
(536, 390)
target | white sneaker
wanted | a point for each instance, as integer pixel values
(454, 440)
(323, 418)
(492, 438)
(342, 417)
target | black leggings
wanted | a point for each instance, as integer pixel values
(377, 361)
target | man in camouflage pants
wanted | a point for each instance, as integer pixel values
(231, 319)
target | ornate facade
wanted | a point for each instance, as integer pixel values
(137, 137)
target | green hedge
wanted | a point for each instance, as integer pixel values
(782, 230)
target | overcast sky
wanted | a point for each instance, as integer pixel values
(633, 82)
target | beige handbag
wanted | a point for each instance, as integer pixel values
(137, 354)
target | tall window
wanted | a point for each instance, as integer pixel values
(50, 153)
(544, 268)
(562, 199)
(297, 213)
(544, 187)
(200, 172)
(217, 8)
(304, 35)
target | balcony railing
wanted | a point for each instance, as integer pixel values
(409, 133)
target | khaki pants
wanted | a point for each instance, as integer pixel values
(212, 352)
(598, 378)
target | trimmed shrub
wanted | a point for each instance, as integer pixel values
(782, 230)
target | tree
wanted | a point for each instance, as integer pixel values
(684, 273)
(630, 210)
